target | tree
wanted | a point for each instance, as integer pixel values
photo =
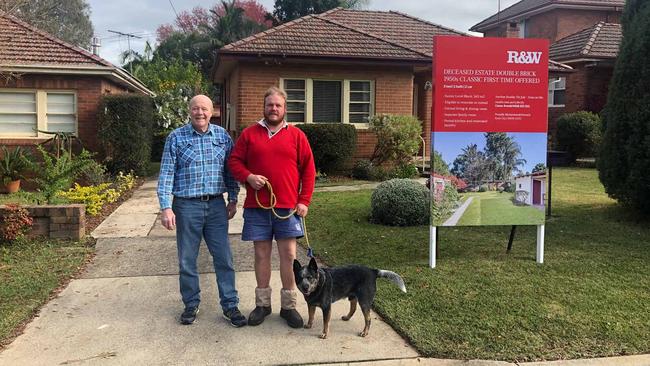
(539, 167)
(503, 154)
(624, 160)
(68, 20)
(439, 165)
(288, 10)
(471, 165)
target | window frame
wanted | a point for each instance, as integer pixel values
(42, 112)
(345, 98)
(551, 92)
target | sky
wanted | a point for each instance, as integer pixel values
(142, 17)
(450, 145)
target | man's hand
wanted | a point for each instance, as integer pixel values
(232, 209)
(301, 210)
(256, 181)
(168, 219)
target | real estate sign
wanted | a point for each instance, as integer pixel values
(489, 131)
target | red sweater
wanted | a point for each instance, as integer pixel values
(285, 160)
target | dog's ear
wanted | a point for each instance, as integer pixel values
(312, 264)
(296, 266)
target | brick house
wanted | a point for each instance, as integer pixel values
(339, 66)
(47, 84)
(584, 34)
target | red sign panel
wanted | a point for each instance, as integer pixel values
(490, 84)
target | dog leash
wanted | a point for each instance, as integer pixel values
(272, 202)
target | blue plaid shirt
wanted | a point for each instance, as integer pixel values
(194, 164)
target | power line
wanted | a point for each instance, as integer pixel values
(128, 38)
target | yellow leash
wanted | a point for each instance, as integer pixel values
(272, 202)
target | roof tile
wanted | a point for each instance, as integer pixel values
(601, 40)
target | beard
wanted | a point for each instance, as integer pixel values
(273, 119)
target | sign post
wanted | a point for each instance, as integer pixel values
(490, 123)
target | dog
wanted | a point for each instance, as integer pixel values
(323, 286)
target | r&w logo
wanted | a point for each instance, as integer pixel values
(524, 57)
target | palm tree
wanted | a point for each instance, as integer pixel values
(504, 155)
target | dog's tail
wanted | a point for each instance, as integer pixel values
(393, 277)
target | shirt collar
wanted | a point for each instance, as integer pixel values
(263, 123)
(209, 131)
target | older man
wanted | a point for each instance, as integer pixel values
(274, 151)
(194, 172)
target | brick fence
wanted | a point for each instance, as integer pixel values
(57, 221)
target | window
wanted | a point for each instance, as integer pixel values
(22, 113)
(296, 100)
(329, 101)
(522, 29)
(556, 92)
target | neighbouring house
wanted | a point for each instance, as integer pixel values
(340, 66)
(584, 34)
(530, 189)
(47, 84)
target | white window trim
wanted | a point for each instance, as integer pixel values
(550, 99)
(41, 111)
(345, 100)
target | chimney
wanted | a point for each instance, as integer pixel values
(96, 45)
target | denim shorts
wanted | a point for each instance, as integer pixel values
(260, 224)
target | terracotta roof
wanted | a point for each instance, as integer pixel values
(396, 27)
(602, 40)
(24, 48)
(527, 6)
(554, 66)
(23, 44)
(346, 33)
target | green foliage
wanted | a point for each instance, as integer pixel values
(404, 170)
(398, 138)
(15, 222)
(93, 197)
(125, 132)
(288, 10)
(483, 188)
(444, 203)
(158, 144)
(439, 165)
(68, 20)
(362, 169)
(175, 82)
(539, 167)
(332, 144)
(14, 164)
(624, 159)
(58, 173)
(579, 134)
(400, 202)
(503, 155)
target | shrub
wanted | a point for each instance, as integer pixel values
(444, 204)
(405, 170)
(362, 169)
(124, 182)
(579, 134)
(400, 202)
(332, 144)
(483, 188)
(94, 197)
(125, 131)
(398, 138)
(158, 144)
(58, 173)
(624, 159)
(15, 222)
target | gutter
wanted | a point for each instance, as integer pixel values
(113, 73)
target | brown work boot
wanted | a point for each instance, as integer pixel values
(288, 299)
(262, 306)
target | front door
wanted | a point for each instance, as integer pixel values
(537, 192)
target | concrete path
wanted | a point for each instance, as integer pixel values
(123, 310)
(453, 220)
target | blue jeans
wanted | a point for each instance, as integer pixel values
(208, 219)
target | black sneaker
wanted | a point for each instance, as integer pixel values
(189, 315)
(258, 314)
(292, 317)
(235, 316)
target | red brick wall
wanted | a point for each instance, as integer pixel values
(576, 89)
(89, 91)
(598, 87)
(393, 90)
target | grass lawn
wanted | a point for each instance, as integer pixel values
(494, 208)
(590, 298)
(29, 271)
